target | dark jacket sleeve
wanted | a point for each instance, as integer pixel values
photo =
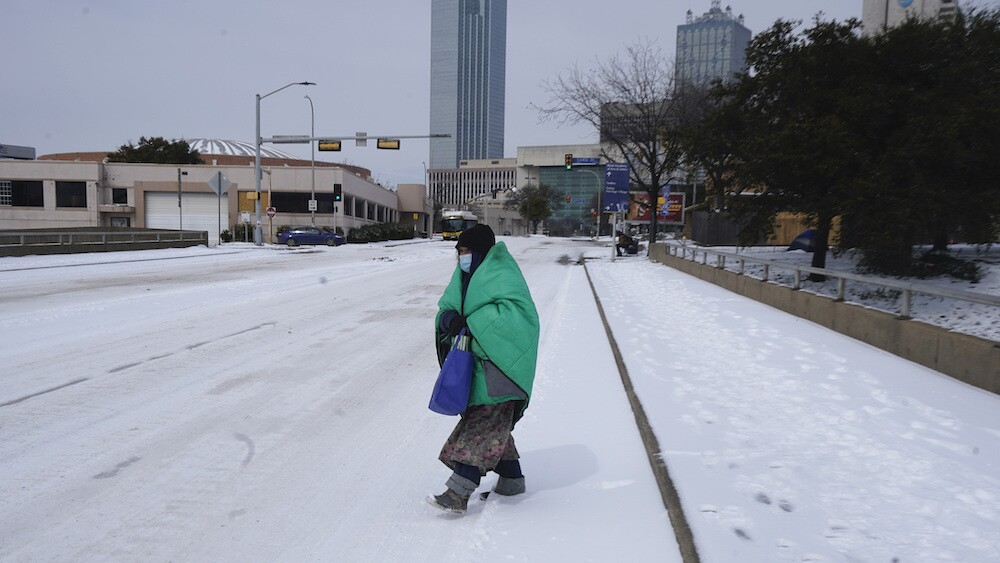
(444, 320)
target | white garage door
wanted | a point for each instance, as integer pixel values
(200, 212)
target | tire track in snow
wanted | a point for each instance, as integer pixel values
(49, 390)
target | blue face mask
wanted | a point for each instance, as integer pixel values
(465, 262)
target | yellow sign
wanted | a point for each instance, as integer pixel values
(326, 145)
(252, 195)
(391, 144)
(416, 216)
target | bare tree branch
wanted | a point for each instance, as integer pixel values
(630, 100)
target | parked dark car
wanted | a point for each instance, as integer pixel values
(309, 235)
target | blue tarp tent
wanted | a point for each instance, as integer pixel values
(804, 241)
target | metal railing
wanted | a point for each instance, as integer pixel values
(907, 289)
(76, 238)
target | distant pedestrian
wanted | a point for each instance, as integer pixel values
(623, 243)
(490, 298)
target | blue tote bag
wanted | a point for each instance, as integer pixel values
(451, 390)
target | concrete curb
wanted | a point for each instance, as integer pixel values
(668, 493)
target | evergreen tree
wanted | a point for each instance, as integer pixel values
(156, 150)
(896, 133)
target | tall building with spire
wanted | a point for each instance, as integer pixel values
(468, 79)
(711, 46)
(880, 14)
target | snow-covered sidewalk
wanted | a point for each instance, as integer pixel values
(592, 495)
(789, 442)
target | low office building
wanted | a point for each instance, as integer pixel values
(579, 188)
(416, 209)
(454, 187)
(81, 190)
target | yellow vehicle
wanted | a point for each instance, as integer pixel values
(454, 222)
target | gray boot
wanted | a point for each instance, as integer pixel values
(456, 498)
(509, 487)
(449, 501)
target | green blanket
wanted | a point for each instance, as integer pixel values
(502, 319)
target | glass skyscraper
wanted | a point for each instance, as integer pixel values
(711, 46)
(468, 67)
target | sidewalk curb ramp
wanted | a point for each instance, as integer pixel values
(668, 493)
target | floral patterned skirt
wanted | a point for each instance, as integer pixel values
(482, 437)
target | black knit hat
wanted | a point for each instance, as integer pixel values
(479, 239)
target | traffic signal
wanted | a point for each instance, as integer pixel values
(338, 192)
(569, 161)
(568, 198)
(329, 145)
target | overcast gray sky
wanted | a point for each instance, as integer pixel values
(93, 75)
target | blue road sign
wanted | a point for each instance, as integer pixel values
(616, 185)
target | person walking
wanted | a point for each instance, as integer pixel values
(489, 297)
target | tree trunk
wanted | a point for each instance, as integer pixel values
(941, 242)
(653, 212)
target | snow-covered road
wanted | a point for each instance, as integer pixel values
(267, 404)
(263, 404)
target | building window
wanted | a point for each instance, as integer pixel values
(21, 193)
(119, 221)
(348, 204)
(298, 202)
(71, 194)
(359, 208)
(119, 196)
(324, 203)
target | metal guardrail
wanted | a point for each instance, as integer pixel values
(906, 288)
(70, 238)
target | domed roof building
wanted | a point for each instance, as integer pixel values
(220, 147)
(85, 190)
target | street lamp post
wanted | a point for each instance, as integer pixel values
(256, 167)
(312, 158)
(180, 210)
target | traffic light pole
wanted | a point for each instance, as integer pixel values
(303, 139)
(599, 197)
(384, 142)
(338, 196)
